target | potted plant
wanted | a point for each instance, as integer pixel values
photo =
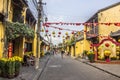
(10, 67)
(91, 56)
(3, 67)
(18, 61)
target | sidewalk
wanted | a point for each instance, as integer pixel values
(30, 73)
(113, 69)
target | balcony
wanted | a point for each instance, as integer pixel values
(93, 32)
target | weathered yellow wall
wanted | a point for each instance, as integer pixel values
(10, 11)
(72, 51)
(1, 39)
(85, 43)
(1, 5)
(111, 15)
(77, 48)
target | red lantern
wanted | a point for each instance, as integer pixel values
(95, 24)
(117, 24)
(46, 30)
(107, 44)
(59, 32)
(78, 24)
(73, 32)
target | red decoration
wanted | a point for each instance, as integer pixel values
(108, 24)
(107, 44)
(59, 32)
(60, 29)
(95, 24)
(78, 24)
(117, 24)
(85, 31)
(46, 30)
(73, 32)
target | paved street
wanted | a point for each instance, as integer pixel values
(69, 69)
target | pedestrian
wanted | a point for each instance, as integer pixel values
(62, 53)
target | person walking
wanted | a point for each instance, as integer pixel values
(62, 53)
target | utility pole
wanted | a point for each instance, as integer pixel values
(39, 8)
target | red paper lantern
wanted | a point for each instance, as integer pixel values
(95, 24)
(73, 32)
(117, 24)
(107, 44)
(46, 30)
(78, 24)
(59, 32)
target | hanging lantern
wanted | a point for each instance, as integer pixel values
(107, 44)
(73, 32)
(108, 24)
(117, 24)
(59, 32)
(60, 29)
(46, 30)
(42, 30)
(53, 32)
(78, 32)
(66, 33)
(95, 24)
(78, 24)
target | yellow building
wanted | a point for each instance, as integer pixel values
(3, 13)
(17, 11)
(99, 28)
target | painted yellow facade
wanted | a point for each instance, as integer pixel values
(106, 15)
(1, 39)
(3, 10)
(7, 7)
(110, 15)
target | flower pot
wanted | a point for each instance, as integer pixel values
(10, 76)
(16, 73)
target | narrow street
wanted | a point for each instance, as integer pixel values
(69, 69)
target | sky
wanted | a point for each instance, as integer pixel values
(72, 11)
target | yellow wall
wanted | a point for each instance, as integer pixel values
(110, 15)
(77, 48)
(1, 39)
(72, 51)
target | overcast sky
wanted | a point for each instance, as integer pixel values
(72, 11)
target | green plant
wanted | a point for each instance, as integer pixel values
(91, 56)
(113, 58)
(85, 52)
(10, 66)
(14, 30)
(3, 67)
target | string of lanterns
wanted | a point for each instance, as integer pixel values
(48, 24)
(78, 24)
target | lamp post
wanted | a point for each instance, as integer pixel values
(38, 33)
